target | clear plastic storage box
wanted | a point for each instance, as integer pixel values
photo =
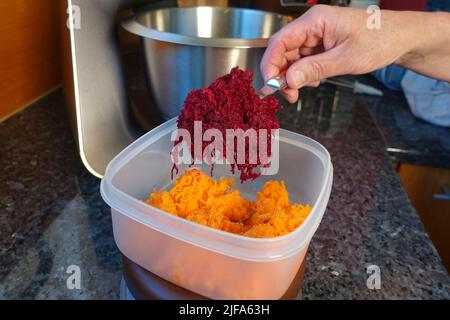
(210, 262)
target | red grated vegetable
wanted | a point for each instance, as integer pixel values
(230, 102)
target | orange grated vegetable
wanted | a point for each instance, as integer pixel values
(198, 198)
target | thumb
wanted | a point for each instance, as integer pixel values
(314, 68)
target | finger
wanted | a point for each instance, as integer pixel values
(292, 55)
(291, 95)
(314, 84)
(274, 59)
(312, 41)
(304, 51)
(314, 68)
(287, 39)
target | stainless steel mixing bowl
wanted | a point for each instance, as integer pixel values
(188, 48)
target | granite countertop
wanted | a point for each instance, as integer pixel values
(52, 215)
(408, 139)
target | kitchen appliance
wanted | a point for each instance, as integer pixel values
(97, 55)
(356, 86)
(140, 284)
(188, 48)
(105, 101)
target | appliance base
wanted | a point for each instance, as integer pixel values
(140, 284)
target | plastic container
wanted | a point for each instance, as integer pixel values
(210, 262)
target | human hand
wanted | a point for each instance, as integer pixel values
(329, 41)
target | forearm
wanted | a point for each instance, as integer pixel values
(428, 51)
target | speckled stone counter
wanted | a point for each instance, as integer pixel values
(51, 212)
(407, 138)
(369, 219)
(52, 215)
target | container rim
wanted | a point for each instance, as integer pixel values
(132, 25)
(280, 247)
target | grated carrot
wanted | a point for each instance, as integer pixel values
(214, 203)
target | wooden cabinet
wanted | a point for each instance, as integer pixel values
(422, 185)
(29, 52)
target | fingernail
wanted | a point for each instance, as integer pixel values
(298, 79)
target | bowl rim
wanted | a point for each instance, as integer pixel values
(132, 25)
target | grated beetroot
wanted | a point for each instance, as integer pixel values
(230, 102)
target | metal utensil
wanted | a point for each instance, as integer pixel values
(274, 85)
(356, 86)
(271, 86)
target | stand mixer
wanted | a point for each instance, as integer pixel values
(109, 106)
